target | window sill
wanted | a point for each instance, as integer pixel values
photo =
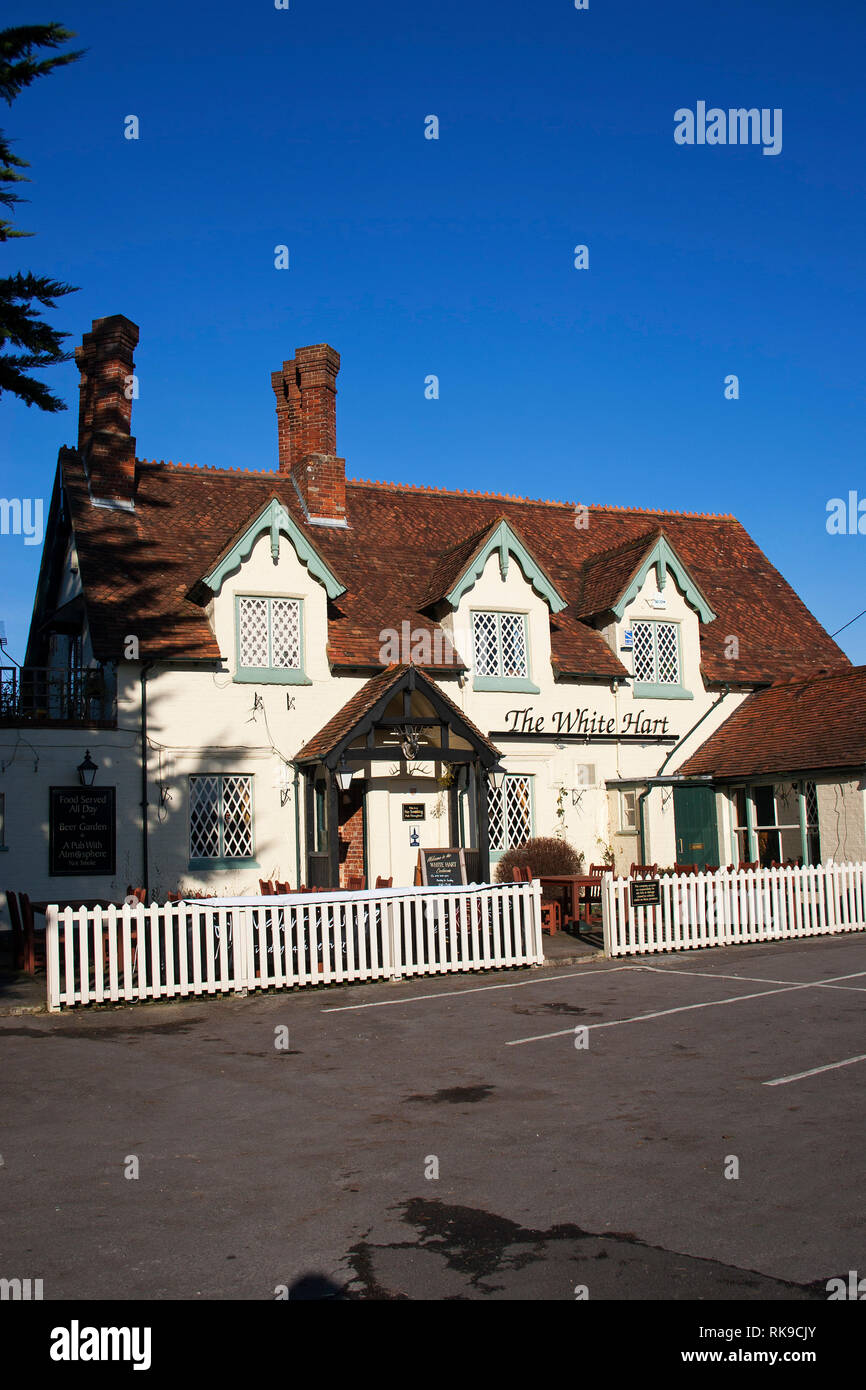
(505, 684)
(267, 675)
(661, 692)
(224, 864)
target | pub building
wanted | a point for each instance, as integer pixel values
(282, 673)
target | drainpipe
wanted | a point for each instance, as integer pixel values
(726, 690)
(297, 831)
(145, 870)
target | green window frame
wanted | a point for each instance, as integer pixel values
(221, 819)
(510, 812)
(794, 807)
(269, 626)
(657, 660)
(500, 651)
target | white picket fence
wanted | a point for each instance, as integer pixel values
(178, 949)
(725, 907)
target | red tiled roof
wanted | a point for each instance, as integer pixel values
(795, 726)
(347, 718)
(139, 568)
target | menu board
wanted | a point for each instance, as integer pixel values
(81, 830)
(442, 868)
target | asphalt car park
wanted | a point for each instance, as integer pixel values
(669, 1127)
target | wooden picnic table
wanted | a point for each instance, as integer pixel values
(574, 883)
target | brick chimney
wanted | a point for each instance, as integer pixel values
(105, 409)
(306, 392)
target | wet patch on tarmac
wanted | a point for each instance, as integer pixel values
(456, 1095)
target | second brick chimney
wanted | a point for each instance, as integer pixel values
(306, 392)
(105, 410)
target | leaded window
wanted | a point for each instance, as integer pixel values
(221, 816)
(656, 653)
(501, 647)
(509, 812)
(269, 633)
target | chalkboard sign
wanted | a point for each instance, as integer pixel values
(442, 868)
(414, 810)
(645, 892)
(81, 830)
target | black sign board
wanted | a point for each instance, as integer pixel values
(645, 892)
(81, 830)
(414, 810)
(442, 868)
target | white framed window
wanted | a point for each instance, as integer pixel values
(628, 812)
(501, 645)
(221, 816)
(509, 812)
(656, 648)
(269, 633)
(776, 823)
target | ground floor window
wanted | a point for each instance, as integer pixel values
(221, 816)
(509, 812)
(776, 823)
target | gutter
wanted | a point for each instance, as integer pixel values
(661, 780)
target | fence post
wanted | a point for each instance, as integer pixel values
(606, 912)
(242, 950)
(535, 911)
(52, 960)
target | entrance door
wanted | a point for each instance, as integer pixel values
(696, 830)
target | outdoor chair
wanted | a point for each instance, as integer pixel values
(266, 887)
(282, 887)
(384, 882)
(17, 930)
(355, 883)
(685, 868)
(551, 917)
(34, 938)
(644, 871)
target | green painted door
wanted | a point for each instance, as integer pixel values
(696, 830)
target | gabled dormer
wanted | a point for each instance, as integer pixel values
(268, 598)
(650, 608)
(495, 600)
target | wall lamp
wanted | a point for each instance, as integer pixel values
(87, 770)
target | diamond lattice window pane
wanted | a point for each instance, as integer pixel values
(811, 805)
(496, 819)
(518, 810)
(486, 644)
(644, 652)
(286, 633)
(513, 629)
(253, 623)
(204, 830)
(668, 654)
(237, 817)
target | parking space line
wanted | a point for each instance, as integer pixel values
(815, 1071)
(480, 989)
(760, 979)
(661, 1013)
(687, 1008)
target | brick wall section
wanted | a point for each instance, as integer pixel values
(105, 360)
(351, 835)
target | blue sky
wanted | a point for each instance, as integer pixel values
(305, 127)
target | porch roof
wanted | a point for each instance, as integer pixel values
(369, 703)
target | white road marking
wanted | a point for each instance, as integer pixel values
(480, 989)
(815, 1071)
(686, 1008)
(759, 979)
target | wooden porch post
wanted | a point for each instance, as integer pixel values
(483, 824)
(333, 828)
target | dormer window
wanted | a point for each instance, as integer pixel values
(658, 661)
(270, 639)
(501, 652)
